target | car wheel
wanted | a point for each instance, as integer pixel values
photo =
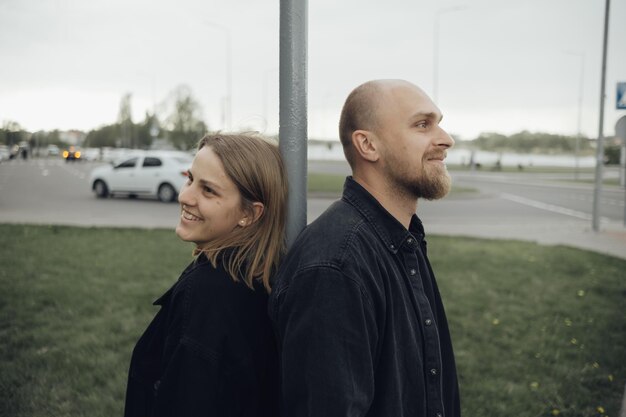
(166, 193)
(101, 189)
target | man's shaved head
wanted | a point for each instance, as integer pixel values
(360, 111)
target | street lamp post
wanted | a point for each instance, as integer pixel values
(438, 14)
(266, 75)
(581, 55)
(597, 191)
(228, 105)
(292, 131)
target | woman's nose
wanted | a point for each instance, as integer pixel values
(184, 195)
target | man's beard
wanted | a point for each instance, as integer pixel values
(432, 182)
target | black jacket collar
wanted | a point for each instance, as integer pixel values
(391, 232)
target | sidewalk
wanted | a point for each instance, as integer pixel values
(463, 216)
(610, 240)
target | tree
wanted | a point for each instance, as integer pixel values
(185, 122)
(12, 133)
(125, 121)
(103, 136)
(528, 142)
(147, 131)
(54, 138)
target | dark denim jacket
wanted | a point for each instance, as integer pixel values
(210, 351)
(361, 326)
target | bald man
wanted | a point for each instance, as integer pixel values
(360, 321)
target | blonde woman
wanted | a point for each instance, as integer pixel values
(210, 349)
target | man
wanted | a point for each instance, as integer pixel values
(361, 325)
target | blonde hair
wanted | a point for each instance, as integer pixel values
(254, 164)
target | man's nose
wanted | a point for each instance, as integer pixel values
(444, 139)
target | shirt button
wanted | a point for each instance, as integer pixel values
(413, 272)
(433, 371)
(428, 322)
(392, 247)
(409, 241)
(156, 385)
(439, 415)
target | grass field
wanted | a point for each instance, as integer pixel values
(538, 331)
(607, 181)
(332, 184)
(529, 169)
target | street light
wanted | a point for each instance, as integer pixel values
(438, 14)
(266, 75)
(597, 190)
(229, 80)
(581, 55)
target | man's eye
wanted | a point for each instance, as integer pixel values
(421, 125)
(207, 189)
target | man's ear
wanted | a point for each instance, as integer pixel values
(365, 144)
(253, 215)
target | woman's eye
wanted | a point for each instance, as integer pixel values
(207, 189)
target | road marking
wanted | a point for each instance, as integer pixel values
(549, 207)
(603, 201)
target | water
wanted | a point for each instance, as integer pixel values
(334, 152)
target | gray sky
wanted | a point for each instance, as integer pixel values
(504, 65)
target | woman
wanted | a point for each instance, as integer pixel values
(210, 349)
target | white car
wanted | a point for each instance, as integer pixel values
(158, 173)
(4, 153)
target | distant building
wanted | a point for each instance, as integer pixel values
(162, 144)
(72, 137)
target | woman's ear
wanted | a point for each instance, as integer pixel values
(254, 214)
(364, 143)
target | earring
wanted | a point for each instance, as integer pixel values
(241, 222)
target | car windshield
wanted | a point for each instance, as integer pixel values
(129, 163)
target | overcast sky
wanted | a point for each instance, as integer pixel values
(504, 65)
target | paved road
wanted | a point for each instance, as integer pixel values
(550, 192)
(51, 191)
(543, 190)
(511, 206)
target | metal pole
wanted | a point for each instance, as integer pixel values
(600, 145)
(266, 75)
(229, 75)
(580, 109)
(438, 14)
(229, 82)
(436, 58)
(581, 55)
(620, 132)
(293, 109)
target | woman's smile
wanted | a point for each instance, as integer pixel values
(189, 217)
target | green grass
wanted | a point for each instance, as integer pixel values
(325, 183)
(73, 303)
(606, 181)
(332, 184)
(535, 328)
(530, 169)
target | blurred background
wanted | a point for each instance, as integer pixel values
(103, 99)
(72, 68)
